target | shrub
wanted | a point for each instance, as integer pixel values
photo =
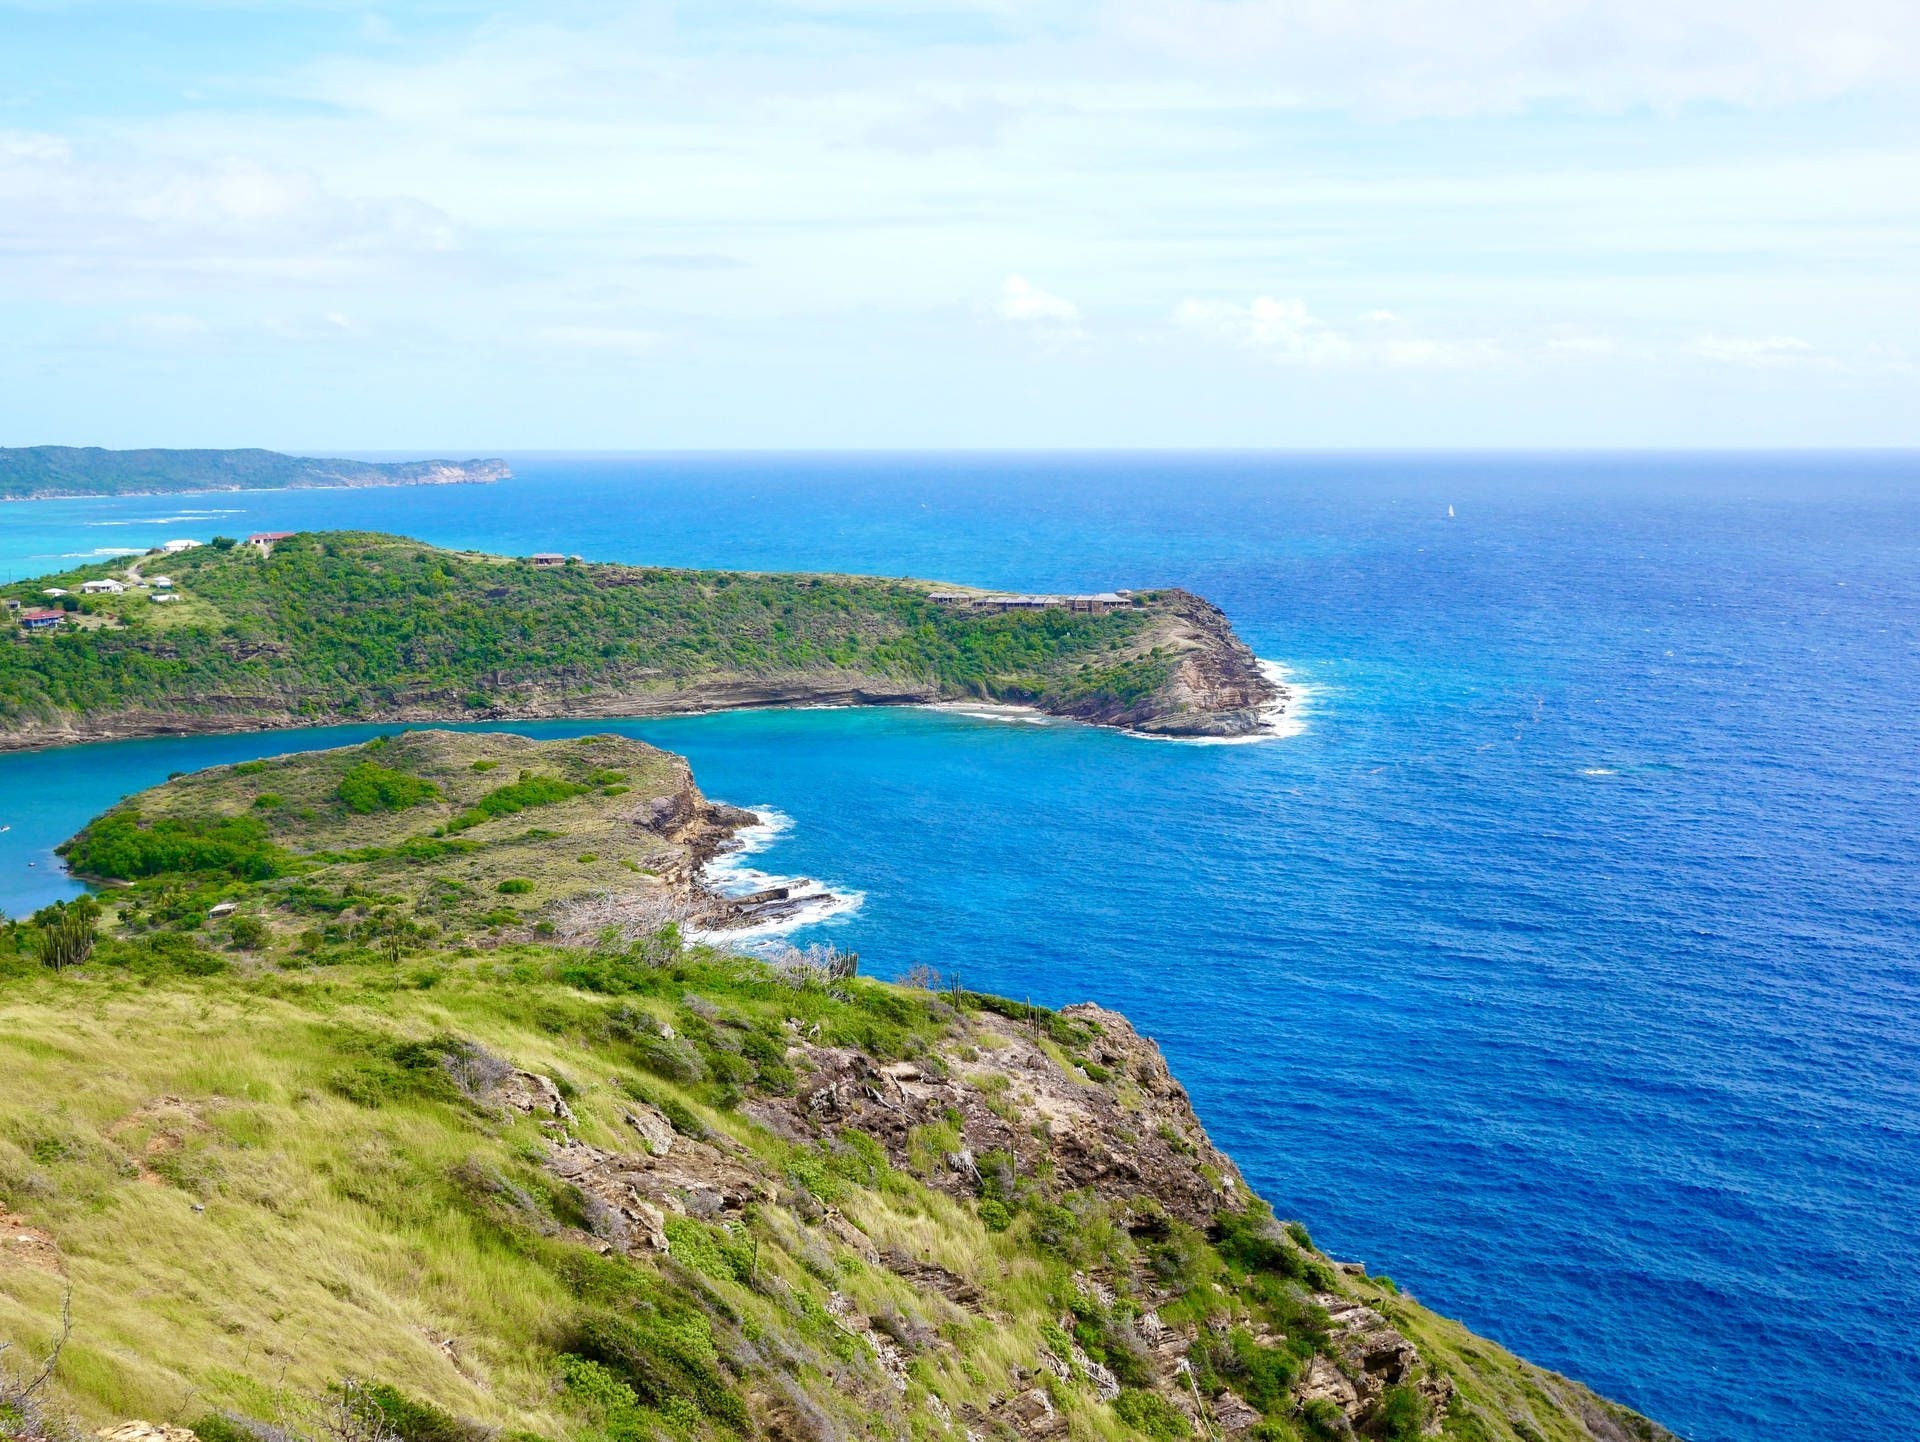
(598, 1392)
(218, 1427)
(1261, 1374)
(661, 1355)
(371, 787)
(1252, 1242)
(516, 886)
(1152, 1414)
(517, 796)
(715, 1251)
(249, 933)
(1401, 1415)
(1325, 1419)
(406, 1418)
(994, 1215)
(119, 846)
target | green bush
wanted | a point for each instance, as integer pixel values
(119, 846)
(1324, 1419)
(371, 787)
(515, 886)
(994, 1215)
(1261, 1374)
(517, 796)
(1401, 1415)
(217, 1427)
(604, 1397)
(1248, 1240)
(716, 1251)
(249, 933)
(406, 1418)
(661, 1354)
(1152, 1414)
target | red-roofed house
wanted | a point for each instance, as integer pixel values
(262, 541)
(41, 620)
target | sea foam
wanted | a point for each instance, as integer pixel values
(732, 874)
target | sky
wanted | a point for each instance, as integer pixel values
(453, 226)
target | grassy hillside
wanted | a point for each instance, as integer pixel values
(338, 626)
(37, 472)
(446, 1183)
(442, 834)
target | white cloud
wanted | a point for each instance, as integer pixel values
(1478, 56)
(111, 221)
(1021, 300)
(1287, 332)
(617, 340)
(1760, 352)
(833, 185)
(18, 145)
(168, 327)
(1585, 346)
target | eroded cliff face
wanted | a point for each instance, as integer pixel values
(1001, 1107)
(1214, 685)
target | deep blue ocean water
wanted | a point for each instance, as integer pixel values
(1566, 965)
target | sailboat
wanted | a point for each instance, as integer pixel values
(1449, 513)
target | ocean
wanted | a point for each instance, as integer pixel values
(1563, 962)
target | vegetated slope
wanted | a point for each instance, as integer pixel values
(461, 836)
(340, 1162)
(44, 472)
(355, 626)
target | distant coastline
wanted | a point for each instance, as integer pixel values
(47, 473)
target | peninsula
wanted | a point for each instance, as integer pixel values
(384, 1095)
(317, 628)
(33, 473)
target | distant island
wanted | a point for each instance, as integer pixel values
(307, 629)
(38, 473)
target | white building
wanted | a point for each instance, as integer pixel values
(174, 548)
(161, 583)
(164, 596)
(102, 588)
(53, 591)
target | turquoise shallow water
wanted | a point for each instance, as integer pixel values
(1566, 965)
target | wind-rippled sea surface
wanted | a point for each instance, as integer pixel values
(1566, 965)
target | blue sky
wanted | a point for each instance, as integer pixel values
(846, 223)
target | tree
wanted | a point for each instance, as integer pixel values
(249, 933)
